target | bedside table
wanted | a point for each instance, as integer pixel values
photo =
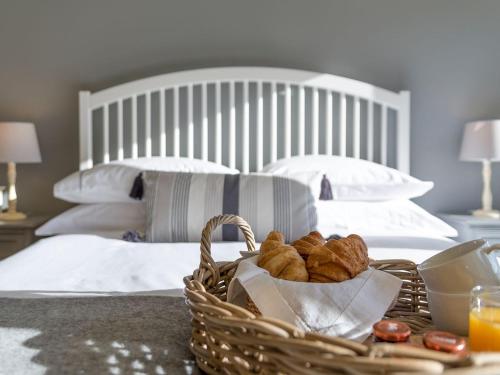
(471, 227)
(16, 235)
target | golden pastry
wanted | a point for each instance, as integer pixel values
(273, 240)
(305, 244)
(338, 260)
(281, 260)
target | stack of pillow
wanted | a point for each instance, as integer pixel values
(102, 194)
(367, 198)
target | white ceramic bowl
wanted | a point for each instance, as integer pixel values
(450, 311)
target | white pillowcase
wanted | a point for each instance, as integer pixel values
(109, 220)
(355, 179)
(106, 183)
(388, 218)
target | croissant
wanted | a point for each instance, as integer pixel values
(273, 240)
(338, 260)
(281, 260)
(305, 244)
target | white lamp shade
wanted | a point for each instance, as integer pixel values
(481, 141)
(19, 143)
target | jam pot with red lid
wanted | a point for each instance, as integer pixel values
(391, 331)
(444, 342)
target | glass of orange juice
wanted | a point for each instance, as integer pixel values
(484, 319)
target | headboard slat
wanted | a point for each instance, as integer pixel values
(302, 121)
(315, 123)
(260, 127)
(204, 122)
(232, 125)
(403, 132)
(105, 133)
(369, 131)
(356, 131)
(273, 139)
(162, 120)
(85, 131)
(147, 110)
(135, 145)
(176, 131)
(119, 130)
(343, 125)
(190, 124)
(383, 134)
(329, 123)
(218, 123)
(287, 132)
(246, 130)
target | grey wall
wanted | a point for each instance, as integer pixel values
(446, 52)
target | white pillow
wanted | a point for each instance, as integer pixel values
(106, 219)
(106, 183)
(388, 218)
(355, 179)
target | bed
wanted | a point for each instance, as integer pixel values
(239, 117)
(236, 119)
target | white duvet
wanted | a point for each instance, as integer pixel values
(88, 263)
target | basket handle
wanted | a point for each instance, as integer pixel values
(207, 263)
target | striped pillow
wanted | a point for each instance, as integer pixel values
(178, 205)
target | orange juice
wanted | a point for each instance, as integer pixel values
(484, 329)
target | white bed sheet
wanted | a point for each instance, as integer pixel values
(88, 263)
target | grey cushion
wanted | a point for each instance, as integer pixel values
(178, 205)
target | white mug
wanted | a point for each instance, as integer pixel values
(461, 268)
(450, 312)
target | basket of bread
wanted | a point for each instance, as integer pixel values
(315, 306)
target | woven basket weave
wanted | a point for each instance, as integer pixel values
(228, 339)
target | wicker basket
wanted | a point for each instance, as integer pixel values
(228, 339)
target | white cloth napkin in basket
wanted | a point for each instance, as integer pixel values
(347, 309)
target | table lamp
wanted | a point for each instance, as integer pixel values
(481, 142)
(18, 144)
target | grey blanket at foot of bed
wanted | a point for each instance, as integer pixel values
(98, 335)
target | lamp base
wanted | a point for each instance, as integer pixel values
(12, 216)
(491, 214)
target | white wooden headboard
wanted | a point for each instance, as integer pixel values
(244, 117)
